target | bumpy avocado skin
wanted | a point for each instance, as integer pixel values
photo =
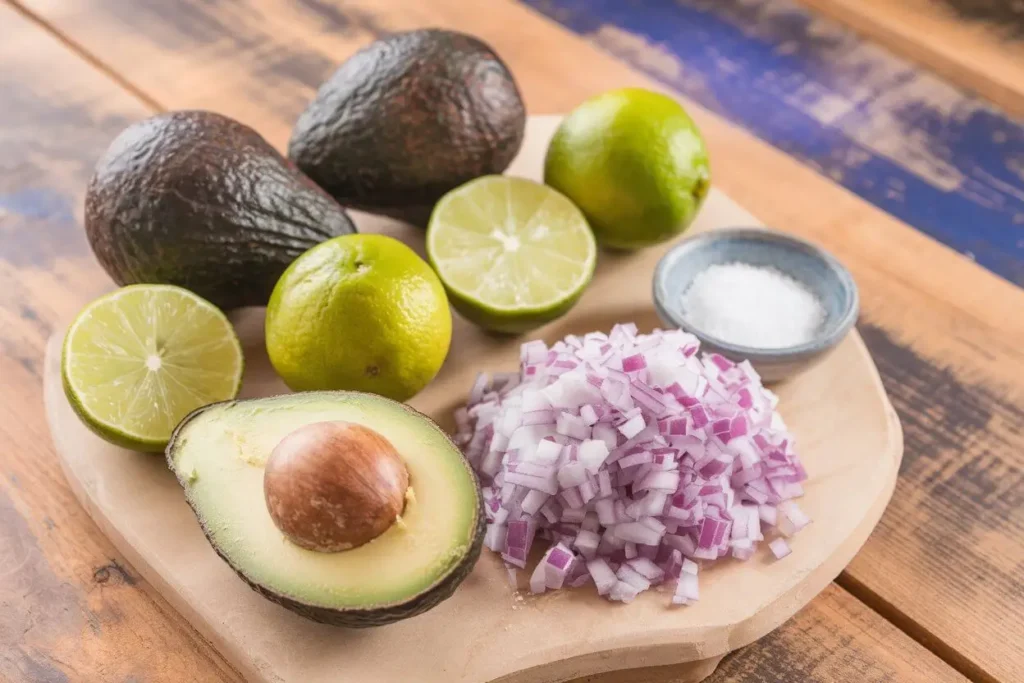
(409, 118)
(348, 618)
(199, 200)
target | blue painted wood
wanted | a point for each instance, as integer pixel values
(936, 157)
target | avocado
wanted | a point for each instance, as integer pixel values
(408, 118)
(199, 200)
(239, 464)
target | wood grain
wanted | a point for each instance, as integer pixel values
(70, 607)
(938, 157)
(835, 639)
(945, 333)
(811, 648)
(977, 44)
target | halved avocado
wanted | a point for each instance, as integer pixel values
(218, 454)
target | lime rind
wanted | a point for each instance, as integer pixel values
(108, 349)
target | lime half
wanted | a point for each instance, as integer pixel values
(513, 254)
(138, 360)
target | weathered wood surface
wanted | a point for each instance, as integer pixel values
(811, 649)
(944, 333)
(834, 639)
(977, 44)
(70, 609)
(935, 156)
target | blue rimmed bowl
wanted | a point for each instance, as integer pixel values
(810, 265)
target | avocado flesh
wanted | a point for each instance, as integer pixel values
(218, 454)
(199, 200)
(408, 118)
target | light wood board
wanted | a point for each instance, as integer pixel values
(848, 437)
(979, 49)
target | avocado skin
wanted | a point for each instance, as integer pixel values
(199, 200)
(407, 119)
(384, 615)
(351, 618)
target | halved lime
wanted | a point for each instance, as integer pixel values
(138, 360)
(513, 254)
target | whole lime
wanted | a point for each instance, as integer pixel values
(359, 312)
(634, 161)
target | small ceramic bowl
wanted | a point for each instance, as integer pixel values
(817, 270)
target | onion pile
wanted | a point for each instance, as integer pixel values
(634, 457)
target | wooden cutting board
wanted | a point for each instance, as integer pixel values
(847, 435)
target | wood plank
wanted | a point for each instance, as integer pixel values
(975, 44)
(260, 64)
(809, 649)
(835, 639)
(70, 608)
(935, 156)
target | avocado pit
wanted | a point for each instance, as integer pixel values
(332, 486)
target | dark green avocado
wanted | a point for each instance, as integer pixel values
(199, 200)
(409, 118)
(219, 454)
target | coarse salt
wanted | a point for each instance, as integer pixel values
(754, 306)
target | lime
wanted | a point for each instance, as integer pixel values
(138, 360)
(636, 164)
(359, 312)
(513, 254)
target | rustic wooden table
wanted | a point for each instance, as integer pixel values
(915, 184)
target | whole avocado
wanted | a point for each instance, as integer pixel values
(199, 200)
(407, 119)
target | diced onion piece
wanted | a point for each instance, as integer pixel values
(686, 589)
(632, 577)
(624, 592)
(632, 426)
(637, 533)
(646, 568)
(538, 583)
(592, 453)
(557, 562)
(604, 577)
(586, 542)
(779, 548)
(533, 501)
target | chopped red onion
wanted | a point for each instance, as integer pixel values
(779, 548)
(603, 575)
(631, 576)
(538, 580)
(637, 532)
(791, 518)
(632, 426)
(686, 589)
(624, 592)
(646, 568)
(571, 474)
(633, 456)
(586, 542)
(592, 454)
(533, 501)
